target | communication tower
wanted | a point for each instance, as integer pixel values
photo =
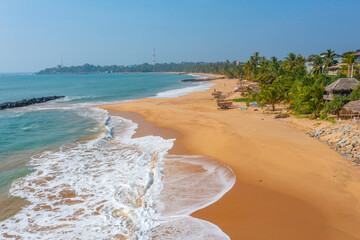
(154, 57)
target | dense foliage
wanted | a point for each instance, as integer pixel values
(288, 81)
(335, 105)
(355, 95)
(296, 80)
(230, 70)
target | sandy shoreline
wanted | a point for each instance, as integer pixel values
(289, 186)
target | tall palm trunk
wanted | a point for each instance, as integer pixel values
(348, 71)
(352, 70)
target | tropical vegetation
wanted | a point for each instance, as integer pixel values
(296, 80)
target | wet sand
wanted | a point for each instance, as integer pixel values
(289, 186)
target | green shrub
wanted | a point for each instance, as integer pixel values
(323, 116)
(241, 99)
(355, 95)
(335, 105)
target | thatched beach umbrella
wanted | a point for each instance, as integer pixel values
(341, 87)
(342, 84)
(352, 107)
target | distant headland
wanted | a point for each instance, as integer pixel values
(183, 67)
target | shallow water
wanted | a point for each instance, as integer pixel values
(117, 186)
(70, 171)
(30, 130)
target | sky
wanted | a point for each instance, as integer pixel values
(36, 34)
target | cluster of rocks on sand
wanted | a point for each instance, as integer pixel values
(345, 139)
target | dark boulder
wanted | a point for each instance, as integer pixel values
(27, 102)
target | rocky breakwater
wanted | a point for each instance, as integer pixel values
(345, 139)
(201, 79)
(27, 102)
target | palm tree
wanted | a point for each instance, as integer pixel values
(300, 60)
(272, 95)
(291, 60)
(317, 65)
(329, 58)
(274, 64)
(251, 66)
(349, 59)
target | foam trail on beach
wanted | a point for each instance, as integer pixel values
(199, 76)
(116, 186)
(191, 183)
(92, 189)
(184, 91)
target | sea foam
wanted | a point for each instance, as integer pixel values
(94, 189)
(113, 187)
(184, 91)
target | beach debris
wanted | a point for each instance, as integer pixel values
(244, 86)
(282, 115)
(224, 103)
(344, 139)
(27, 102)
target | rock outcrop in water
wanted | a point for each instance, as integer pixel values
(201, 79)
(27, 102)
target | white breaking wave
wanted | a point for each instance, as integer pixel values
(71, 98)
(108, 188)
(198, 76)
(184, 91)
(99, 189)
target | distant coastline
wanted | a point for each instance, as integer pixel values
(205, 76)
(178, 68)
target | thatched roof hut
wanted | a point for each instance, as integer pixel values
(342, 84)
(341, 87)
(352, 107)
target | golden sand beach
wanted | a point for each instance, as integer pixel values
(288, 186)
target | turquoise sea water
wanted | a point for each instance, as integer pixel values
(68, 170)
(27, 131)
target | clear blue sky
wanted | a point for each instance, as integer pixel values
(34, 33)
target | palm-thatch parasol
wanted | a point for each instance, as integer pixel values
(353, 107)
(342, 84)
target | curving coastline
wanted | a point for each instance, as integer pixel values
(189, 183)
(283, 176)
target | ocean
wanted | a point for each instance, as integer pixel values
(68, 170)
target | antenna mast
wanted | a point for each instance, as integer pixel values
(154, 57)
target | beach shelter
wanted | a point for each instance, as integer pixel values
(341, 87)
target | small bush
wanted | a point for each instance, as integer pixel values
(241, 99)
(331, 119)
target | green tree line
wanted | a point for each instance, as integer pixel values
(288, 81)
(199, 67)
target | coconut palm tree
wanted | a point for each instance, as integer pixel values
(272, 95)
(317, 65)
(329, 58)
(291, 60)
(275, 65)
(300, 60)
(349, 59)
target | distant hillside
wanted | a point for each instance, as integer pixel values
(159, 67)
